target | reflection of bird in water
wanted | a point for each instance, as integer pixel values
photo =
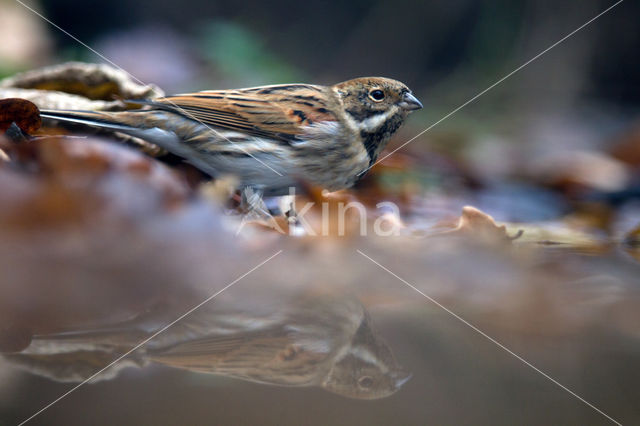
(314, 341)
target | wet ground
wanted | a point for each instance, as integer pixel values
(323, 335)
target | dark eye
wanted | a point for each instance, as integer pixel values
(365, 382)
(377, 95)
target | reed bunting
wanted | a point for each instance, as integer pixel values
(270, 137)
(329, 342)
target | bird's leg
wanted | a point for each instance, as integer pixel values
(252, 202)
(256, 209)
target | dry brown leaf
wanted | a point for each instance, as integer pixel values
(92, 81)
(81, 86)
(633, 237)
(477, 224)
(48, 99)
(25, 114)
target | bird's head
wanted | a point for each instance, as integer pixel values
(376, 107)
(367, 368)
(368, 98)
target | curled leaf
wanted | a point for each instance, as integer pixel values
(476, 223)
(47, 99)
(92, 81)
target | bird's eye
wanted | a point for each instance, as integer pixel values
(377, 95)
(365, 382)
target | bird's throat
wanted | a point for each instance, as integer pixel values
(376, 139)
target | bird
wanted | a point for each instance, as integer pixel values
(326, 341)
(270, 138)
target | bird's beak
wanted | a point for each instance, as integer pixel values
(401, 377)
(410, 102)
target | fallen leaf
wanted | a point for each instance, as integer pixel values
(475, 223)
(92, 81)
(633, 238)
(25, 114)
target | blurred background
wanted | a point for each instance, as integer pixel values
(554, 150)
(438, 47)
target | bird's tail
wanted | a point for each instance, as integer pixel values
(147, 125)
(104, 120)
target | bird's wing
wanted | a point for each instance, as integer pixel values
(271, 357)
(214, 352)
(277, 112)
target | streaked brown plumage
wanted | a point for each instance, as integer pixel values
(325, 341)
(271, 137)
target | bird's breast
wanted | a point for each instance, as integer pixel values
(331, 155)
